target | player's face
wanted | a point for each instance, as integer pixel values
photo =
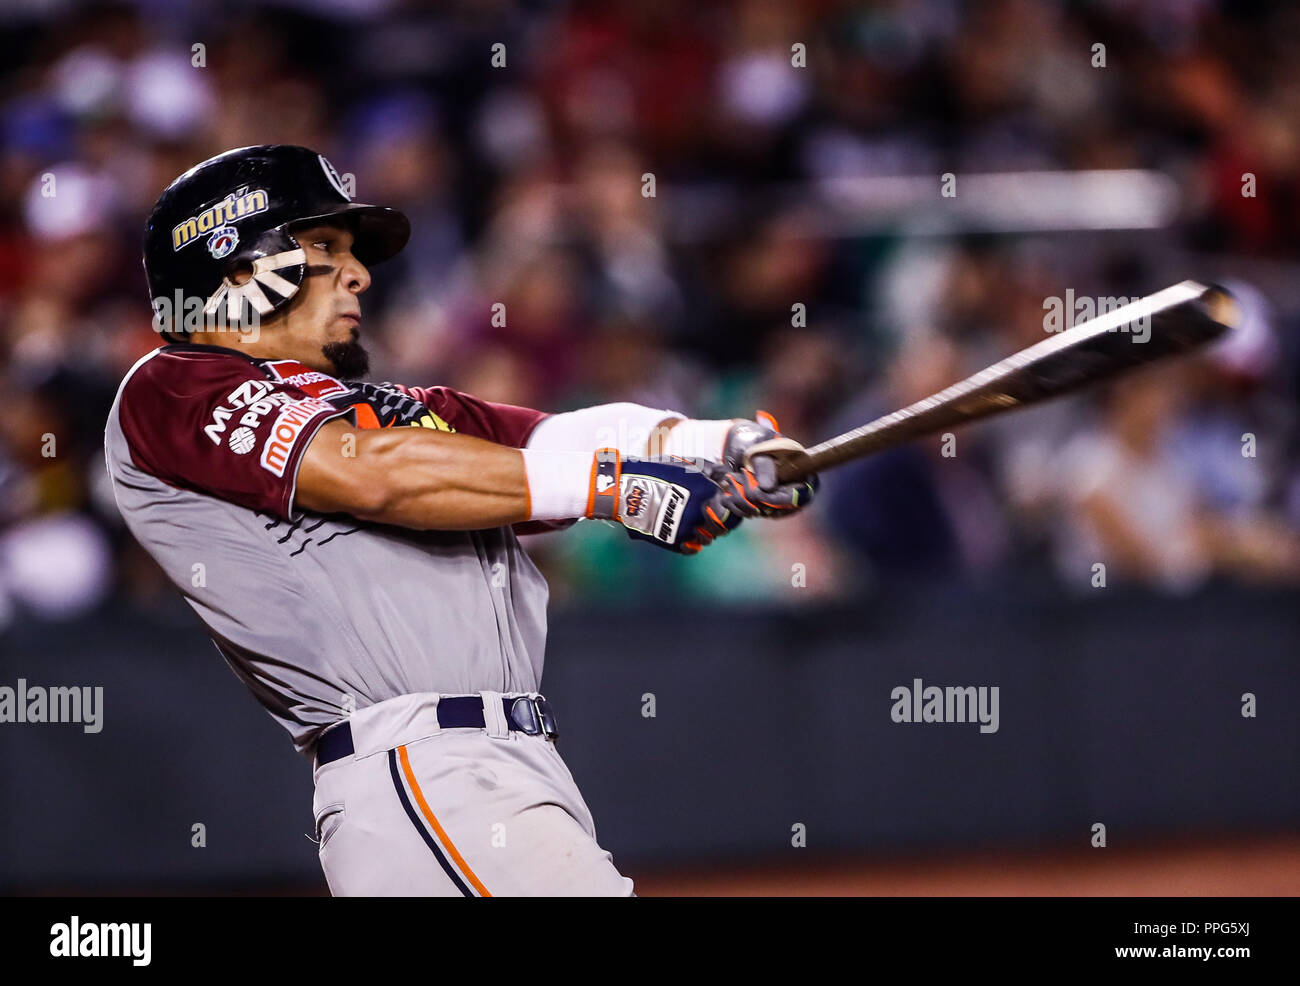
(322, 327)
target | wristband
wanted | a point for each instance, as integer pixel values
(558, 484)
(569, 485)
(691, 438)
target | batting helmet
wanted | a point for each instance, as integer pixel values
(235, 211)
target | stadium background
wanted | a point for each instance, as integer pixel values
(771, 656)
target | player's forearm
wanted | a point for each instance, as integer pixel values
(451, 485)
(414, 478)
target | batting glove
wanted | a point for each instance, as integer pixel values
(670, 504)
(740, 493)
(750, 488)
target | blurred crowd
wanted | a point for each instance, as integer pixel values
(723, 292)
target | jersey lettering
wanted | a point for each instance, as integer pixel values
(288, 426)
(248, 392)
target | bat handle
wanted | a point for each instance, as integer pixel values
(778, 460)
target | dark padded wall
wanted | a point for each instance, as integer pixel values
(1118, 708)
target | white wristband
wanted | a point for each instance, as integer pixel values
(697, 439)
(626, 427)
(559, 483)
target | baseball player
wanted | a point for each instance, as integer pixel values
(351, 546)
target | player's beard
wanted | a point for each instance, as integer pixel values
(349, 359)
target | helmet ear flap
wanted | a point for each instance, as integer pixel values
(274, 265)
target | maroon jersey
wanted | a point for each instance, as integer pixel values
(219, 422)
(319, 615)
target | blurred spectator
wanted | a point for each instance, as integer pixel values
(1133, 504)
(526, 184)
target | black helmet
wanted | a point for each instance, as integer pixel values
(234, 211)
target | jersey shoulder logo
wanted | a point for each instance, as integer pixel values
(314, 383)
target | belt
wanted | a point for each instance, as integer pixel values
(532, 716)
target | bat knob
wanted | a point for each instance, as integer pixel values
(1222, 306)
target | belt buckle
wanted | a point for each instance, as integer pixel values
(534, 716)
(546, 717)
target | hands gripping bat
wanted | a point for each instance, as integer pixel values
(1182, 317)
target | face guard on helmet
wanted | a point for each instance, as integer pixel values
(233, 213)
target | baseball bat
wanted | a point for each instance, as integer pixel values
(1181, 318)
